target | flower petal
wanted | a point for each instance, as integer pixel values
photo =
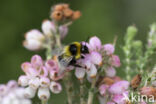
(92, 72)
(95, 43)
(55, 87)
(110, 72)
(80, 73)
(48, 28)
(96, 58)
(109, 48)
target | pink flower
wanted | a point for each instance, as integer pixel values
(120, 98)
(44, 82)
(63, 31)
(121, 86)
(109, 48)
(103, 89)
(110, 72)
(23, 80)
(95, 43)
(48, 28)
(55, 87)
(34, 40)
(115, 61)
(43, 94)
(36, 61)
(80, 73)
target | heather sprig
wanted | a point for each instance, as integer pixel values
(96, 72)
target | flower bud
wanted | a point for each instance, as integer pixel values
(107, 81)
(43, 94)
(95, 43)
(115, 61)
(110, 72)
(103, 89)
(34, 40)
(92, 71)
(76, 15)
(68, 12)
(44, 82)
(3, 89)
(23, 80)
(36, 61)
(32, 45)
(109, 48)
(55, 87)
(57, 15)
(34, 83)
(50, 65)
(131, 32)
(29, 92)
(48, 28)
(63, 31)
(12, 84)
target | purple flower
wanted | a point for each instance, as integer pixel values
(110, 72)
(103, 89)
(119, 87)
(115, 61)
(109, 49)
(120, 98)
(95, 43)
(63, 31)
(43, 93)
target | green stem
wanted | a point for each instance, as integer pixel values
(82, 92)
(69, 87)
(91, 92)
(44, 102)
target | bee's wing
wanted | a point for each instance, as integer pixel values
(65, 61)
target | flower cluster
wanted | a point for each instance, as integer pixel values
(62, 12)
(35, 40)
(41, 76)
(99, 56)
(12, 94)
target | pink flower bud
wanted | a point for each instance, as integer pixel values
(23, 80)
(25, 67)
(34, 35)
(34, 83)
(44, 82)
(110, 72)
(34, 40)
(121, 86)
(29, 92)
(48, 28)
(12, 84)
(36, 61)
(63, 31)
(120, 98)
(103, 89)
(115, 61)
(3, 89)
(43, 93)
(55, 87)
(32, 45)
(109, 48)
(80, 73)
(95, 43)
(51, 65)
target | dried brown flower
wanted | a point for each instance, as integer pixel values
(76, 15)
(148, 91)
(57, 15)
(135, 82)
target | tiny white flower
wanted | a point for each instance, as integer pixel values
(55, 87)
(23, 80)
(34, 83)
(43, 93)
(29, 92)
(48, 27)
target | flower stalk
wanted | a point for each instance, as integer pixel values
(82, 92)
(91, 92)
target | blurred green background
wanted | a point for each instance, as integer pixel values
(103, 18)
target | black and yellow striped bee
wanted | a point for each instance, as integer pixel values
(71, 53)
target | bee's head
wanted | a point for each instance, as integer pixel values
(84, 49)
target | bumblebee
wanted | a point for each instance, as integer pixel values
(71, 53)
